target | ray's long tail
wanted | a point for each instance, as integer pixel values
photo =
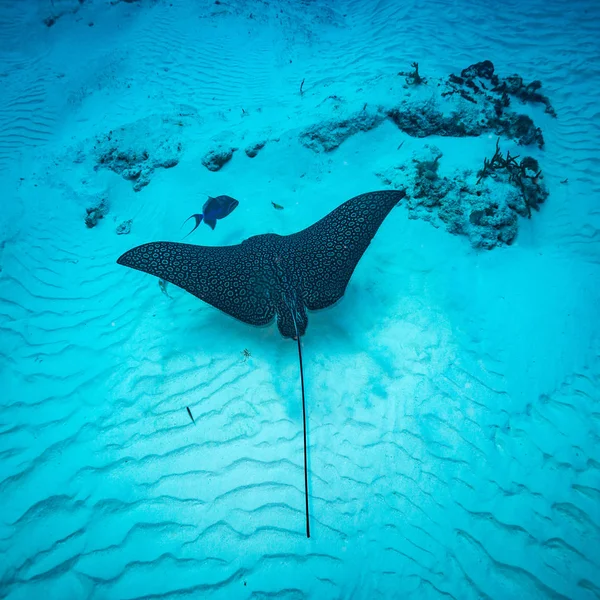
(304, 429)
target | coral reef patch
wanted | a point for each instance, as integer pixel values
(525, 175)
(469, 105)
(135, 151)
(480, 85)
(329, 135)
(214, 160)
(484, 207)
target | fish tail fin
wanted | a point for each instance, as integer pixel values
(198, 218)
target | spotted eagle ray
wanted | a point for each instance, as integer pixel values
(273, 276)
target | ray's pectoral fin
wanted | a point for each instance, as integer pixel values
(331, 248)
(226, 277)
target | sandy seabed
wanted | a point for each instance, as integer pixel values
(454, 392)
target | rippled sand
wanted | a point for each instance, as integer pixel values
(453, 395)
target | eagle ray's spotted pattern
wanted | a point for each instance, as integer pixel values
(271, 275)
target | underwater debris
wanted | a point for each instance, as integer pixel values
(190, 413)
(246, 354)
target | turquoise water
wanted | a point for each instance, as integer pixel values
(452, 394)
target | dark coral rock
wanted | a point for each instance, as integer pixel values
(471, 84)
(455, 79)
(92, 217)
(484, 69)
(522, 129)
(428, 185)
(252, 151)
(95, 213)
(530, 94)
(492, 224)
(524, 176)
(531, 164)
(534, 193)
(131, 173)
(142, 181)
(511, 85)
(423, 121)
(329, 135)
(417, 122)
(124, 228)
(494, 102)
(467, 96)
(476, 216)
(169, 163)
(515, 86)
(216, 159)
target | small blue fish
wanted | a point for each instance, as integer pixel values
(213, 209)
